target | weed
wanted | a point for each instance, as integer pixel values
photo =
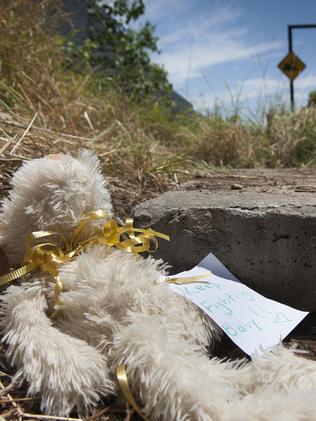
(136, 142)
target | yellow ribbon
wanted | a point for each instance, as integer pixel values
(189, 279)
(48, 256)
(126, 237)
(121, 376)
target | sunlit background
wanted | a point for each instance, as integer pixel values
(226, 52)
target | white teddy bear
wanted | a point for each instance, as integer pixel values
(115, 311)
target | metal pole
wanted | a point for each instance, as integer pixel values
(291, 81)
(292, 95)
(289, 29)
(289, 32)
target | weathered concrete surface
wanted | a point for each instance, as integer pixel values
(268, 240)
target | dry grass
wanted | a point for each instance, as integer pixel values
(16, 406)
(143, 144)
(72, 111)
(294, 138)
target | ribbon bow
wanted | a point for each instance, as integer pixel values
(48, 256)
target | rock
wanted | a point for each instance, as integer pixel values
(236, 186)
(268, 240)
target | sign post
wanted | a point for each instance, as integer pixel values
(292, 65)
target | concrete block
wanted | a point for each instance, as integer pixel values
(267, 240)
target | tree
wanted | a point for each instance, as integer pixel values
(311, 99)
(121, 52)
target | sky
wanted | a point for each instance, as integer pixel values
(225, 52)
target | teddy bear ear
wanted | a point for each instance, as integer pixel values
(89, 159)
(91, 163)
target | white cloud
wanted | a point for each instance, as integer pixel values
(263, 91)
(307, 82)
(254, 87)
(158, 9)
(218, 49)
(204, 40)
(199, 25)
(277, 87)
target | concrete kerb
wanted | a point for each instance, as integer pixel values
(267, 240)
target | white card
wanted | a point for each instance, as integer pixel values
(254, 322)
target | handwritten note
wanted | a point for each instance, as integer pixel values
(254, 322)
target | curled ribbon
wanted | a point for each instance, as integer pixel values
(121, 376)
(136, 240)
(48, 256)
(197, 279)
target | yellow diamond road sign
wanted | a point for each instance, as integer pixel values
(291, 65)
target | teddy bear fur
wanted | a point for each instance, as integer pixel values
(115, 311)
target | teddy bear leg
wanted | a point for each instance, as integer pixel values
(271, 404)
(284, 368)
(171, 376)
(67, 372)
(280, 368)
(278, 385)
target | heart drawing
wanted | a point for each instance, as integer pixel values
(281, 318)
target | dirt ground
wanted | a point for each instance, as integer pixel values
(261, 180)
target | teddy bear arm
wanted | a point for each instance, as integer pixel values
(175, 381)
(172, 377)
(66, 371)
